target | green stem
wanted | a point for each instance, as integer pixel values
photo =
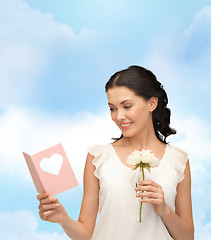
(142, 169)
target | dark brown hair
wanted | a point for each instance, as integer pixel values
(145, 84)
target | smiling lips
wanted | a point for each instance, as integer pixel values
(126, 125)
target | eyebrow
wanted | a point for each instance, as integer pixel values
(121, 102)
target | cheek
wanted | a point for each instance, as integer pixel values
(140, 112)
(142, 117)
(113, 116)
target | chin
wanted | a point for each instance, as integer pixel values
(127, 134)
(131, 133)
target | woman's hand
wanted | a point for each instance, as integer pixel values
(152, 193)
(50, 209)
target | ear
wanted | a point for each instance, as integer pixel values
(153, 102)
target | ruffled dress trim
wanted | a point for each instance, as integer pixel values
(98, 151)
(179, 162)
(178, 159)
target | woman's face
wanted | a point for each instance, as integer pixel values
(130, 112)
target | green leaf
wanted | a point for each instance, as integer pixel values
(136, 166)
(148, 168)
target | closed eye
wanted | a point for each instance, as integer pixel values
(113, 109)
(127, 107)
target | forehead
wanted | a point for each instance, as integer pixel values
(119, 94)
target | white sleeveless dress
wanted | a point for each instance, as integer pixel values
(118, 204)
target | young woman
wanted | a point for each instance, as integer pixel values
(138, 105)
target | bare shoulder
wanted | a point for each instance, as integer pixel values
(185, 184)
(90, 201)
(89, 157)
(183, 203)
(89, 169)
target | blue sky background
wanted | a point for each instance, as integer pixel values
(55, 58)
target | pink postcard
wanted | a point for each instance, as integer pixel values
(51, 170)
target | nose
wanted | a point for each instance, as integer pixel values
(120, 116)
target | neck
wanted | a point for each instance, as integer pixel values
(144, 139)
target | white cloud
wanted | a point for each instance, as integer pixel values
(19, 65)
(22, 24)
(30, 44)
(196, 39)
(184, 61)
(200, 24)
(22, 225)
(28, 131)
(190, 130)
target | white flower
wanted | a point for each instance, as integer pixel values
(134, 158)
(147, 156)
(144, 156)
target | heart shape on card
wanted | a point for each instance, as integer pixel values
(53, 164)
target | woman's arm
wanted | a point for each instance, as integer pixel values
(51, 210)
(89, 206)
(179, 224)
